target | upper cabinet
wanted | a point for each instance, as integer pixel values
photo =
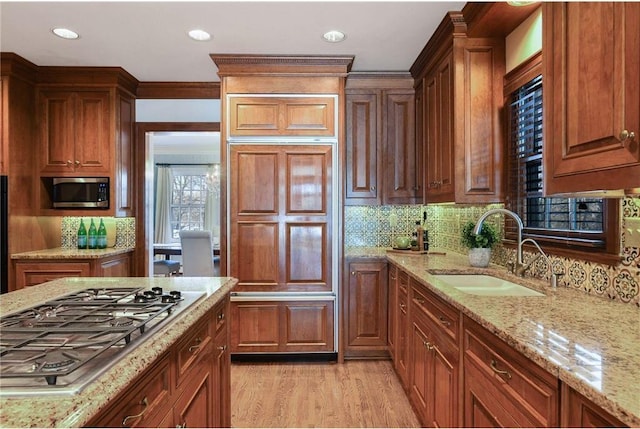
(75, 132)
(86, 120)
(459, 80)
(591, 72)
(282, 116)
(383, 161)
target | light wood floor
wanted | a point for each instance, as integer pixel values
(319, 394)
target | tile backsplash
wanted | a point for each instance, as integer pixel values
(369, 226)
(125, 231)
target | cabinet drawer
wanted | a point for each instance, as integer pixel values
(531, 390)
(146, 405)
(220, 314)
(192, 347)
(29, 274)
(442, 314)
(403, 281)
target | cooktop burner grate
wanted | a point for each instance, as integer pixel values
(53, 340)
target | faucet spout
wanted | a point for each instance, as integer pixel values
(520, 227)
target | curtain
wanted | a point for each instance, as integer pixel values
(163, 205)
(212, 205)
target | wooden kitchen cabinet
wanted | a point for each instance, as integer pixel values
(383, 161)
(86, 121)
(392, 324)
(365, 304)
(188, 386)
(434, 372)
(502, 388)
(75, 132)
(282, 326)
(591, 94)
(31, 272)
(282, 116)
(576, 411)
(401, 357)
(462, 130)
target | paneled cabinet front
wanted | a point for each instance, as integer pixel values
(282, 326)
(280, 217)
(75, 132)
(282, 116)
(591, 96)
(383, 162)
(365, 304)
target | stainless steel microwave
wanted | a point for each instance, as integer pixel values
(81, 192)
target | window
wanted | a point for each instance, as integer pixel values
(188, 197)
(577, 224)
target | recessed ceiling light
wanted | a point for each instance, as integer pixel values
(65, 33)
(334, 36)
(199, 35)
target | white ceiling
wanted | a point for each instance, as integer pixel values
(149, 40)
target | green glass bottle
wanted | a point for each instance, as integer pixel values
(92, 241)
(82, 236)
(102, 236)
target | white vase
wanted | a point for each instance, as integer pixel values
(480, 257)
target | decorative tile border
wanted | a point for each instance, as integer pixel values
(369, 226)
(125, 232)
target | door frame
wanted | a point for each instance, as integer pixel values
(144, 211)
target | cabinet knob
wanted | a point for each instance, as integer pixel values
(77, 162)
(625, 136)
(373, 188)
(353, 273)
(222, 348)
(69, 162)
(220, 316)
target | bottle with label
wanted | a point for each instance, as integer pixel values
(102, 236)
(425, 244)
(82, 236)
(92, 240)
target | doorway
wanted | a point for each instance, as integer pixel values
(193, 138)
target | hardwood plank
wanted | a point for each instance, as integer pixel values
(363, 393)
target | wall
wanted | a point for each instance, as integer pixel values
(125, 231)
(369, 226)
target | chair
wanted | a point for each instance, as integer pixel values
(165, 267)
(197, 254)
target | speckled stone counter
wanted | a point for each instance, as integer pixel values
(589, 343)
(62, 253)
(76, 410)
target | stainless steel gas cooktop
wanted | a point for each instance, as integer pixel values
(60, 346)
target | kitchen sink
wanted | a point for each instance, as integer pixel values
(484, 285)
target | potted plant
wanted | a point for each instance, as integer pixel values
(479, 245)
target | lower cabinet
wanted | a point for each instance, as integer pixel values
(576, 411)
(365, 303)
(434, 370)
(502, 388)
(282, 326)
(401, 357)
(30, 272)
(189, 386)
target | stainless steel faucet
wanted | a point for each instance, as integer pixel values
(519, 268)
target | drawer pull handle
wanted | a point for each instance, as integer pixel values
(220, 316)
(144, 403)
(222, 348)
(420, 301)
(499, 371)
(428, 345)
(402, 306)
(444, 321)
(196, 346)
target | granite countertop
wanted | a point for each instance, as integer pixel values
(64, 253)
(590, 343)
(77, 410)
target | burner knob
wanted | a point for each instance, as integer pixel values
(176, 294)
(168, 299)
(157, 290)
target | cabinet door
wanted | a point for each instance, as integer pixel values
(362, 160)
(124, 177)
(366, 309)
(194, 407)
(30, 273)
(401, 163)
(281, 116)
(222, 381)
(281, 217)
(392, 318)
(438, 118)
(420, 372)
(93, 148)
(117, 266)
(402, 348)
(308, 326)
(576, 411)
(255, 327)
(591, 96)
(57, 131)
